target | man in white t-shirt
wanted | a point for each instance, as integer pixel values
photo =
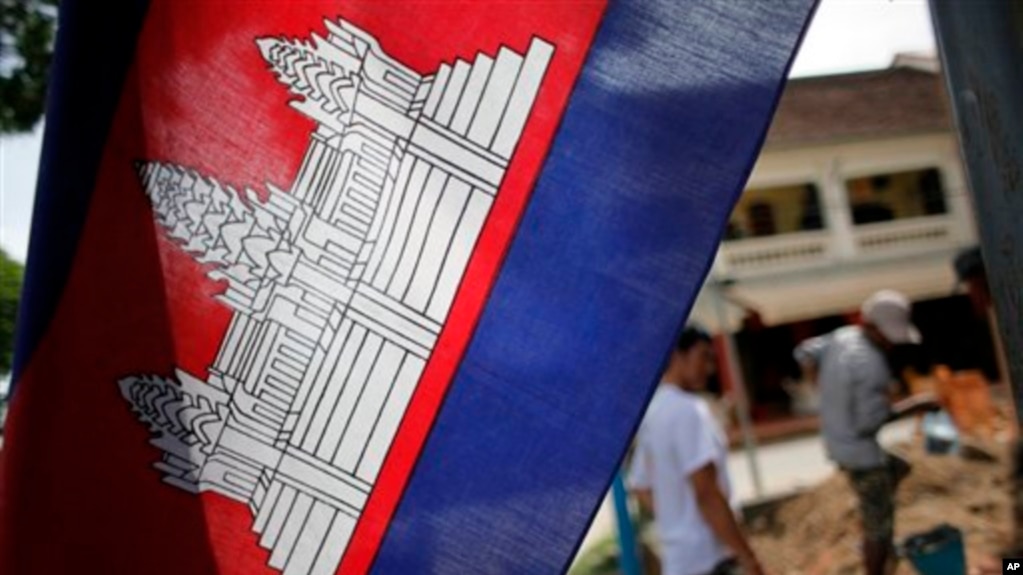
(679, 470)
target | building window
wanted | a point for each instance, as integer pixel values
(896, 196)
(777, 210)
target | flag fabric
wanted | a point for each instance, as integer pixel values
(355, 287)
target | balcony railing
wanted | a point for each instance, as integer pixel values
(899, 236)
(806, 250)
(775, 253)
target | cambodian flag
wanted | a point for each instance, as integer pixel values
(340, 287)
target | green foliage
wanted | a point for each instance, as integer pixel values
(603, 556)
(11, 274)
(27, 30)
(600, 559)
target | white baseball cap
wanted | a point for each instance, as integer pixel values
(888, 311)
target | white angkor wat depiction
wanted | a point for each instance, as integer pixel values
(339, 286)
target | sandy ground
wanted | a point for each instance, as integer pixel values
(785, 467)
(817, 533)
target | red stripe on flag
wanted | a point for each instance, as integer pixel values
(570, 27)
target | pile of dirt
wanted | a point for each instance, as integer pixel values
(818, 532)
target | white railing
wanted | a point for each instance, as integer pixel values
(805, 250)
(774, 253)
(900, 236)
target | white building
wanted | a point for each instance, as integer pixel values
(859, 187)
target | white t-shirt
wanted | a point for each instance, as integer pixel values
(678, 436)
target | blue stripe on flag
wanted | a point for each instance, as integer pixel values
(656, 145)
(93, 52)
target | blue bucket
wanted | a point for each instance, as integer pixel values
(936, 552)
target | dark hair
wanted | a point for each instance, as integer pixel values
(690, 336)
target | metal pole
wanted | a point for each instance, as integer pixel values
(629, 552)
(738, 382)
(981, 45)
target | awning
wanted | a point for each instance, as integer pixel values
(813, 293)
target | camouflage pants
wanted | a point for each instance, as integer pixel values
(875, 489)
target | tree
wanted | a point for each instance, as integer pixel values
(27, 30)
(11, 273)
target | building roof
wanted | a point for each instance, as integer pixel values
(901, 100)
